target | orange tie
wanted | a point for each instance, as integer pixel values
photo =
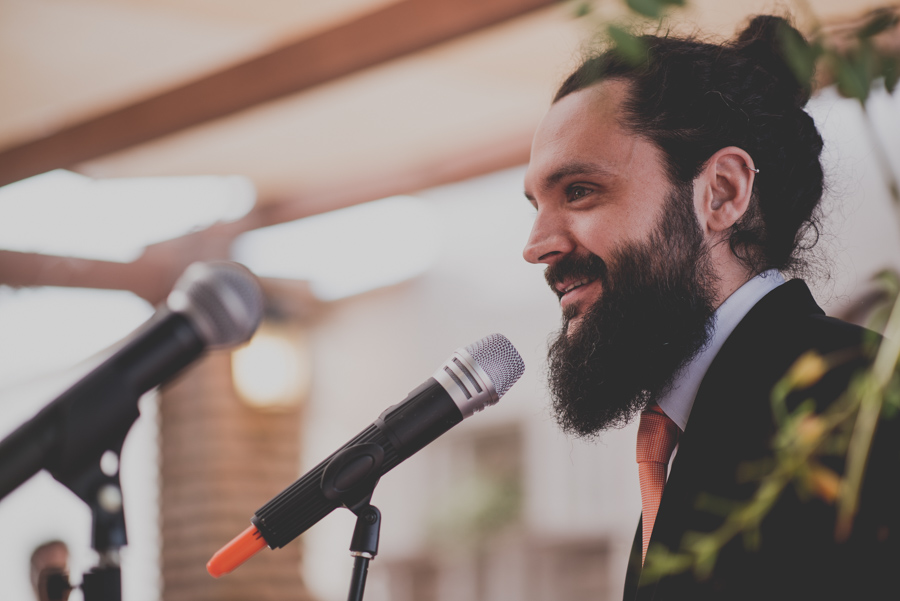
(656, 439)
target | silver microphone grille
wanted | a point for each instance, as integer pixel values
(223, 300)
(499, 359)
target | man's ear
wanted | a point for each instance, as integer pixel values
(723, 189)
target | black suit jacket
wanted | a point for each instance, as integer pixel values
(731, 424)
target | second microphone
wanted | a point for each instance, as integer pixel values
(473, 378)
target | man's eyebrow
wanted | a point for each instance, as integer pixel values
(579, 168)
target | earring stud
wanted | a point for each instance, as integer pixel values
(751, 168)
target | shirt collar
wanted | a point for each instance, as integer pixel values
(679, 400)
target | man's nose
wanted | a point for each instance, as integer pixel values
(549, 240)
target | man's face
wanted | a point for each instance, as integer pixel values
(626, 256)
(595, 186)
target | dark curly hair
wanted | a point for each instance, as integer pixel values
(693, 98)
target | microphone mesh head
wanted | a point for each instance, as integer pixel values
(499, 359)
(223, 300)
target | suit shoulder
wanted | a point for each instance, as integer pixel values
(790, 318)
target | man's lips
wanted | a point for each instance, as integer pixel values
(582, 290)
(565, 287)
(577, 281)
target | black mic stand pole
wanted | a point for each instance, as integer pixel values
(100, 489)
(103, 494)
(363, 547)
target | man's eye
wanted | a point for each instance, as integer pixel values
(576, 192)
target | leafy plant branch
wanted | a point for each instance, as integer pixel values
(856, 59)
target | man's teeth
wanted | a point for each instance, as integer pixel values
(576, 285)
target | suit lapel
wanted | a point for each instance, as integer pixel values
(634, 565)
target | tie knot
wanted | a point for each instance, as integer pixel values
(657, 436)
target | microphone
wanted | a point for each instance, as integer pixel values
(213, 305)
(473, 378)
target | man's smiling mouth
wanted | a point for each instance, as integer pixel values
(564, 289)
(573, 272)
(575, 285)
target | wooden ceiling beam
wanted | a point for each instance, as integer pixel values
(394, 31)
(153, 274)
(502, 152)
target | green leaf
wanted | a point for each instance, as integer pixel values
(889, 281)
(852, 77)
(751, 471)
(780, 393)
(707, 553)
(648, 8)
(890, 68)
(752, 539)
(652, 9)
(662, 562)
(716, 505)
(881, 21)
(628, 46)
(801, 58)
(892, 398)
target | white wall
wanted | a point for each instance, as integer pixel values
(862, 223)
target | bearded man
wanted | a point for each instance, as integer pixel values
(672, 196)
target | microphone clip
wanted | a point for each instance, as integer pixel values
(352, 474)
(350, 479)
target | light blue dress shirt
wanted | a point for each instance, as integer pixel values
(679, 400)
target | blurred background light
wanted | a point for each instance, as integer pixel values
(274, 370)
(67, 214)
(348, 251)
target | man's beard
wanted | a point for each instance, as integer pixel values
(653, 316)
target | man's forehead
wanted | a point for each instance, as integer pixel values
(598, 103)
(580, 135)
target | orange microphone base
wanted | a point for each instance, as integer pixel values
(244, 546)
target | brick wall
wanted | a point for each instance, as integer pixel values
(220, 461)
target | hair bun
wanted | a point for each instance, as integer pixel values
(764, 41)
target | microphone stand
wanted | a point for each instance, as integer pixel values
(71, 434)
(69, 438)
(103, 494)
(363, 547)
(350, 478)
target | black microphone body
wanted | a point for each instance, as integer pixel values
(105, 400)
(95, 414)
(401, 431)
(473, 378)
